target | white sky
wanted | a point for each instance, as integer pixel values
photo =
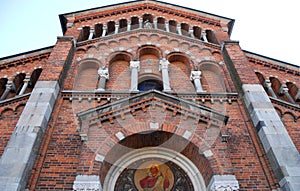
(266, 27)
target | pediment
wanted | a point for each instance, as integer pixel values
(152, 98)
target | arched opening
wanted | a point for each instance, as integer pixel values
(34, 78)
(185, 29)
(123, 25)
(211, 37)
(173, 26)
(147, 17)
(98, 30)
(19, 81)
(212, 78)
(3, 82)
(293, 91)
(149, 57)
(85, 32)
(276, 85)
(134, 22)
(180, 71)
(87, 76)
(197, 32)
(129, 157)
(111, 27)
(161, 23)
(119, 72)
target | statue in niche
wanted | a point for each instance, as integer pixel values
(147, 24)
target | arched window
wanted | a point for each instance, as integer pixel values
(3, 82)
(111, 27)
(197, 32)
(173, 26)
(98, 30)
(85, 32)
(123, 25)
(150, 84)
(134, 23)
(19, 81)
(185, 29)
(211, 37)
(161, 23)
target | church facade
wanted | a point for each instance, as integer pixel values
(148, 96)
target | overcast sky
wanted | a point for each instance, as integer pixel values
(266, 27)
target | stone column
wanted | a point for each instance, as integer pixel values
(140, 23)
(103, 76)
(117, 28)
(155, 23)
(196, 78)
(223, 183)
(203, 35)
(128, 25)
(167, 26)
(191, 31)
(26, 82)
(179, 29)
(267, 84)
(92, 30)
(10, 86)
(104, 30)
(135, 68)
(285, 91)
(164, 68)
(297, 96)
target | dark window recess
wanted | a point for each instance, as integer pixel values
(150, 85)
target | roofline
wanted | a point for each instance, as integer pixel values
(273, 60)
(28, 53)
(63, 17)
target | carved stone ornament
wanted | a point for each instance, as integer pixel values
(87, 183)
(223, 183)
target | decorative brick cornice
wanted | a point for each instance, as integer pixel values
(280, 67)
(147, 6)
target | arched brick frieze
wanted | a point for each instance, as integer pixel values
(87, 75)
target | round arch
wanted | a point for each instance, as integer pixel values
(158, 152)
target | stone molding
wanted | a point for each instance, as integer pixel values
(87, 183)
(223, 183)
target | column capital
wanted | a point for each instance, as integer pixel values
(283, 89)
(195, 75)
(10, 86)
(103, 72)
(267, 83)
(135, 64)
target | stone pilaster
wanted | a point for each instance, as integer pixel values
(18, 158)
(103, 76)
(164, 68)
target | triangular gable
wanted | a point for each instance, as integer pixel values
(150, 98)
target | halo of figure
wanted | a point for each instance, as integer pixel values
(155, 180)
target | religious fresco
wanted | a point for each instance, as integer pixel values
(153, 175)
